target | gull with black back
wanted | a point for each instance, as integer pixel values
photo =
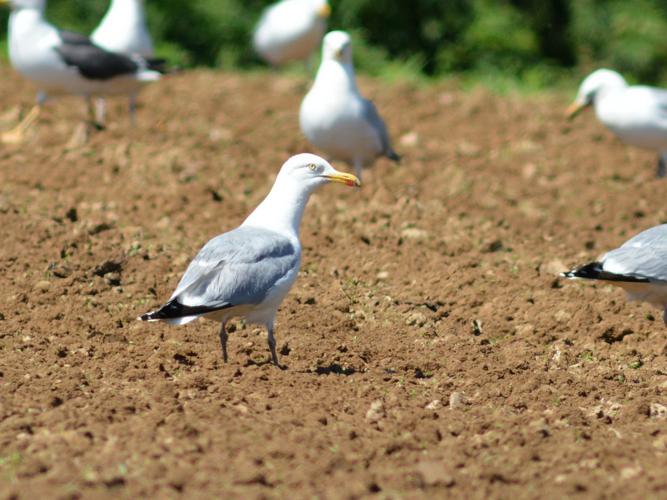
(64, 63)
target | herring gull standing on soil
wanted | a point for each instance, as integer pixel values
(639, 266)
(636, 114)
(334, 116)
(248, 271)
(60, 62)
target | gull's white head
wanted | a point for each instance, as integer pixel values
(25, 4)
(337, 46)
(590, 88)
(299, 176)
(311, 171)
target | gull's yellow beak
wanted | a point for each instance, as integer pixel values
(343, 178)
(574, 109)
(323, 12)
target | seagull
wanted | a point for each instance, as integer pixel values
(639, 266)
(636, 114)
(335, 118)
(247, 272)
(60, 62)
(290, 30)
(123, 30)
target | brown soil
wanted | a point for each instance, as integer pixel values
(430, 347)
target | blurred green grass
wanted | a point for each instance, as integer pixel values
(506, 45)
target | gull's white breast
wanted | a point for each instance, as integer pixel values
(334, 122)
(123, 30)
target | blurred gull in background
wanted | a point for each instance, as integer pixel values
(639, 266)
(247, 272)
(60, 62)
(291, 30)
(636, 114)
(335, 117)
(123, 30)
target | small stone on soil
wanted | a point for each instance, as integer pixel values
(457, 400)
(376, 412)
(42, 286)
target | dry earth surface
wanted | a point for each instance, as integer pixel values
(430, 347)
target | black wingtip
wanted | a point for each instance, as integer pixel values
(174, 310)
(162, 66)
(394, 156)
(591, 271)
(146, 317)
(595, 271)
(171, 310)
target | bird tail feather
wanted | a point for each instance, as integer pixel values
(393, 156)
(148, 76)
(595, 271)
(175, 313)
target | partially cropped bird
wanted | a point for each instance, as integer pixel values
(123, 30)
(248, 271)
(291, 30)
(639, 266)
(334, 116)
(636, 114)
(60, 62)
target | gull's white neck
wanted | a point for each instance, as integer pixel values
(282, 209)
(123, 29)
(336, 75)
(125, 11)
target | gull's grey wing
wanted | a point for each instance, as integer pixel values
(654, 237)
(372, 117)
(643, 256)
(91, 61)
(236, 268)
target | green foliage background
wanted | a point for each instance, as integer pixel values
(528, 42)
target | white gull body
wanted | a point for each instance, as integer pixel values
(334, 116)
(290, 30)
(636, 114)
(123, 29)
(247, 272)
(639, 266)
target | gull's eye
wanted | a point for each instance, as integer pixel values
(312, 167)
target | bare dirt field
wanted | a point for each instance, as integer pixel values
(430, 348)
